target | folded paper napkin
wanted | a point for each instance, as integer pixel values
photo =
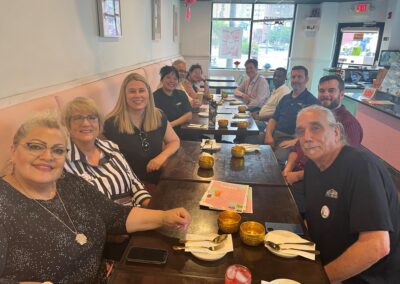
(298, 252)
(241, 115)
(228, 244)
(209, 144)
(292, 239)
(250, 147)
(193, 125)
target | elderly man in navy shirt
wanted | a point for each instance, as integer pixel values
(280, 133)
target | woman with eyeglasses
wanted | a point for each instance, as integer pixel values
(53, 226)
(99, 161)
(141, 130)
(195, 81)
(171, 101)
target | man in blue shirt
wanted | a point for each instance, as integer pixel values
(280, 133)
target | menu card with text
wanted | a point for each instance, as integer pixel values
(228, 196)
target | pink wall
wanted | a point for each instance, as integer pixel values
(381, 134)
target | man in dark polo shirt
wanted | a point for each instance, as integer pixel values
(352, 208)
(281, 127)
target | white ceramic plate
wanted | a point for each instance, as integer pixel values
(208, 257)
(203, 114)
(284, 281)
(281, 236)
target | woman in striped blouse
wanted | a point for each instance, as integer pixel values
(99, 161)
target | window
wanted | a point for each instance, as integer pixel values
(357, 44)
(243, 31)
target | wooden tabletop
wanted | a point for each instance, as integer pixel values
(260, 168)
(221, 79)
(252, 129)
(273, 204)
(222, 85)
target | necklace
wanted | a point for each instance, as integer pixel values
(80, 238)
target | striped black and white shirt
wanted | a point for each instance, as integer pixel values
(113, 176)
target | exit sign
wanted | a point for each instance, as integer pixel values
(362, 7)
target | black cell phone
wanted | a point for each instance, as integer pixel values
(147, 255)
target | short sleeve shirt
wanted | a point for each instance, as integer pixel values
(288, 108)
(355, 194)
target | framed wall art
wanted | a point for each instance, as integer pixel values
(109, 18)
(175, 24)
(156, 19)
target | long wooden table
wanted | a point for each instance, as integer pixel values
(273, 204)
(221, 79)
(252, 129)
(260, 167)
(218, 86)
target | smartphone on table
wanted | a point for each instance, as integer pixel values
(147, 255)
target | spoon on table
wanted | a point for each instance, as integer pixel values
(215, 248)
(278, 247)
(218, 239)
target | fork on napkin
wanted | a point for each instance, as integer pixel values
(209, 144)
(194, 246)
(250, 147)
(241, 115)
(284, 243)
(193, 125)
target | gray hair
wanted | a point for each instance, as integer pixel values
(330, 117)
(48, 119)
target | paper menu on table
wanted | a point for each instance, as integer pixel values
(225, 196)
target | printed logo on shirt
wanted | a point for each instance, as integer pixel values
(331, 193)
(325, 212)
(179, 103)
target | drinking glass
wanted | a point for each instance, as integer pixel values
(237, 274)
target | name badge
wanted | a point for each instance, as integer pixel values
(331, 193)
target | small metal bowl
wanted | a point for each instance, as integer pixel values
(223, 123)
(242, 109)
(228, 221)
(238, 151)
(252, 233)
(242, 124)
(206, 162)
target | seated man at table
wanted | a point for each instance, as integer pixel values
(254, 91)
(281, 126)
(353, 208)
(268, 109)
(330, 95)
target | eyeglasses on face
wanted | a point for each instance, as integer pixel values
(38, 149)
(145, 141)
(81, 118)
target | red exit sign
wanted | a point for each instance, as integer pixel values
(362, 7)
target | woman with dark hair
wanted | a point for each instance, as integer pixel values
(172, 101)
(195, 81)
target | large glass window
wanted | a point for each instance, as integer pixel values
(357, 44)
(243, 31)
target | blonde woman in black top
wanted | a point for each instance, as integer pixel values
(141, 130)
